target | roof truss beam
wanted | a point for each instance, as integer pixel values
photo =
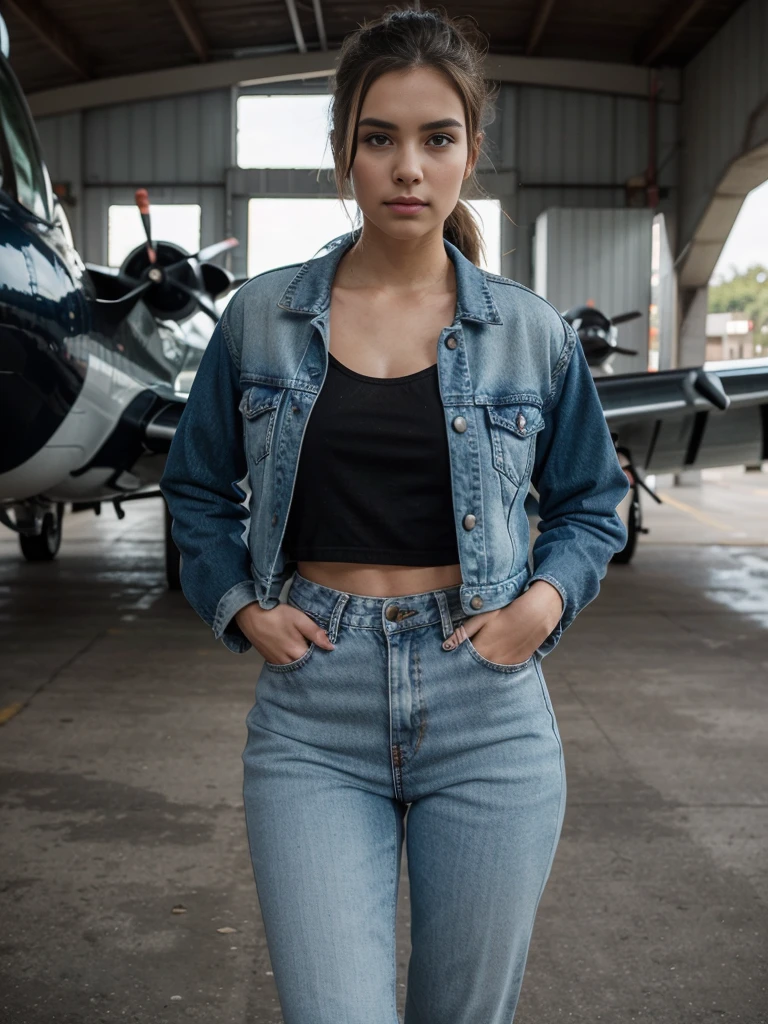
(674, 20)
(193, 30)
(51, 33)
(543, 11)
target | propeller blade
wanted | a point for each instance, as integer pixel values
(111, 311)
(200, 298)
(142, 201)
(623, 318)
(212, 251)
(624, 351)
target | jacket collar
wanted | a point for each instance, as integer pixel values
(309, 291)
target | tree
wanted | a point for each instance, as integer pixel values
(745, 293)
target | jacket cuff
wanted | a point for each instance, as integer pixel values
(547, 645)
(224, 626)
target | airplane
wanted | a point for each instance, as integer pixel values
(668, 421)
(95, 366)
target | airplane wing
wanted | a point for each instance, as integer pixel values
(691, 418)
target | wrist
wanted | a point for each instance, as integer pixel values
(551, 600)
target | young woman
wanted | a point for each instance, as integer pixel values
(387, 406)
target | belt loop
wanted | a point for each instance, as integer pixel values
(445, 613)
(333, 624)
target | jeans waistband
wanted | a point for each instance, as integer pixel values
(389, 614)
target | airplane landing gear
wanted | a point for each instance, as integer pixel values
(39, 528)
(634, 522)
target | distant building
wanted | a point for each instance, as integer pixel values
(731, 336)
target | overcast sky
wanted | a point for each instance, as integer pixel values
(747, 243)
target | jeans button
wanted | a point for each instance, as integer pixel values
(391, 612)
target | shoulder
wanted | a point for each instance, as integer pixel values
(537, 316)
(252, 300)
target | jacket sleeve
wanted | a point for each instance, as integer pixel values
(580, 482)
(201, 484)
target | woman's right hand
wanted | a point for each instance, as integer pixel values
(279, 634)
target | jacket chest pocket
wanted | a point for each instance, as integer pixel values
(259, 406)
(513, 430)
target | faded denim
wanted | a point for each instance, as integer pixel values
(340, 745)
(521, 408)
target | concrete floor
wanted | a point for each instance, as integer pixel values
(121, 786)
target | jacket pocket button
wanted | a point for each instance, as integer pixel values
(469, 521)
(520, 421)
(476, 602)
(459, 424)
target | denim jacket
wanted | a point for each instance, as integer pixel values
(520, 407)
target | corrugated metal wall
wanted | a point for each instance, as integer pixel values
(723, 114)
(603, 256)
(546, 147)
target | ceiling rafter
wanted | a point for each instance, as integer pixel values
(193, 30)
(543, 11)
(51, 33)
(671, 24)
(298, 35)
(320, 22)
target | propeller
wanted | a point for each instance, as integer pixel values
(173, 283)
(624, 318)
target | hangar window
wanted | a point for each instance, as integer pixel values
(282, 231)
(171, 222)
(283, 131)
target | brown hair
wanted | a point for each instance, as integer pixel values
(399, 40)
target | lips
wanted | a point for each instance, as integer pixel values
(405, 202)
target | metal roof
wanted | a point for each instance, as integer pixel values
(63, 42)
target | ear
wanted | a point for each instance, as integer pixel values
(474, 155)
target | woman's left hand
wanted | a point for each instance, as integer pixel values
(511, 634)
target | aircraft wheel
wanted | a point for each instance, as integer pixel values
(45, 546)
(172, 554)
(624, 556)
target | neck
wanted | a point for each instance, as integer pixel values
(395, 265)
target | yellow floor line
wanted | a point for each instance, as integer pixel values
(9, 711)
(701, 516)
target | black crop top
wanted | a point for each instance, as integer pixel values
(373, 482)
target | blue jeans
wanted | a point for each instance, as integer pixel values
(341, 744)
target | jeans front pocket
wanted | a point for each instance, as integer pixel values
(495, 665)
(291, 666)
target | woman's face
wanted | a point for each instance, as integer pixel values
(398, 156)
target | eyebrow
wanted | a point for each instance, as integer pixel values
(376, 122)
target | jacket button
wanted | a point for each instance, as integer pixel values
(274, 519)
(520, 421)
(469, 521)
(391, 612)
(451, 342)
(476, 601)
(459, 424)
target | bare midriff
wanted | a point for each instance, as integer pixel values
(380, 580)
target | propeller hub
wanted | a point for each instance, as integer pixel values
(155, 275)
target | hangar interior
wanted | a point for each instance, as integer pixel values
(624, 142)
(659, 108)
